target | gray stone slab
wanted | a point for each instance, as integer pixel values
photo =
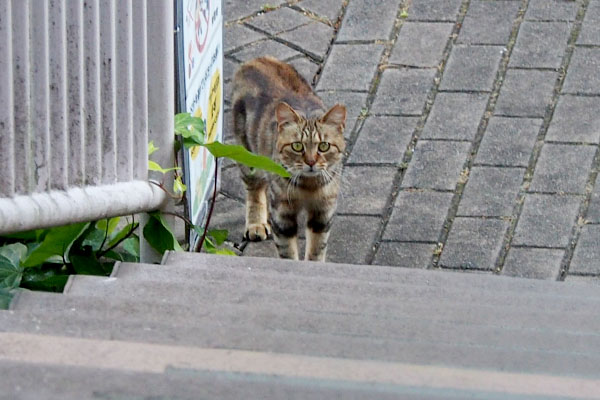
(546, 220)
(526, 93)
(237, 35)
(575, 120)
(344, 70)
(551, 10)
(563, 168)
(471, 68)
(436, 165)
(352, 238)
(383, 139)
(488, 22)
(583, 279)
(434, 10)
(540, 45)
(590, 29)
(593, 212)
(365, 190)
(405, 255)
(305, 67)
(455, 116)
(508, 141)
(354, 102)
(264, 48)
(328, 9)
(265, 248)
(586, 258)
(533, 263)
(313, 38)
(421, 44)
(231, 215)
(582, 76)
(235, 9)
(368, 20)
(473, 243)
(280, 20)
(403, 91)
(491, 192)
(229, 68)
(418, 216)
(231, 183)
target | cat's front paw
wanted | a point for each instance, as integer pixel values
(257, 232)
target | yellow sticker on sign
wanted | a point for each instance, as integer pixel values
(196, 149)
(214, 106)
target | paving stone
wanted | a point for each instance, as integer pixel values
(368, 20)
(231, 183)
(471, 68)
(590, 30)
(228, 135)
(265, 248)
(403, 91)
(563, 168)
(434, 10)
(418, 216)
(280, 20)
(305, 67)
(488, 22)
(546, 220)
(229, 68)
(231, 215)
(508, 141)
(593, 212)
(540, 45)
(329, 9)
(473, 243)
(352, 238)
(313, 38)
(436, 165)
(266, 47)
(491, 192)
(592, 280)
(551, 10)
(383, 139)
(575, 120)
(533, 263)
(455, 116)
(236, 9)
(405, 255)
(365, 190)
(354, 102)
(421, 44)
(586, 258)
(237, 35)
(582, 76)
(526, 93)
(344, 70)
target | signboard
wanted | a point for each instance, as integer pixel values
(200, 69)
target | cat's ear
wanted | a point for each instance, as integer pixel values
(286, 114)
(335, 116)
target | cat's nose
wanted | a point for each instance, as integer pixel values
(311, 163)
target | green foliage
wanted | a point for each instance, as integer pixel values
(159, 235)
(11, 268)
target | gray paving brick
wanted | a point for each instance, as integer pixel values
(231, 183)
(488, 22)
(305, 67)
(455, 116)
(280, 20)
(259, 49)
(526, 93)
(357, 73)
(237, 35)
(231, 215)
(593, 212)
(491, 191)
(368, 20)
(508, 141)
(540, 45)
(473, 243)
(434, 10)
(582, 76)
(403, 91)
(551, 10)
(421, 44)
(329, 9)
(313, 38)
(575, 120)
(406, 255)
(590, 30)
(586, 258)
(354, 102)
(546, 220)
(265, 248)
(229, 68)
(365, 190)
(471, 68)
(592, 280)
(235, 9)
(352, 238)
(563, 168)
(383, 139)
(418, 216)
(436, 165)
(533, 263)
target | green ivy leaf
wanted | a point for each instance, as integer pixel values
(5, 299)
(108, 224)
(159, 235)
(154, 166)
(151, 147)
(11, 269)
(178, 185)
(87, 264)
(218, 235)
(122, 233)
(57, 242)
(132, 246)
(241, 155)
(94, 239)
(189, 127)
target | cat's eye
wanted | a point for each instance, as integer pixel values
(297, 146)
(323, 147)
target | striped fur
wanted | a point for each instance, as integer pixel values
(274, 111)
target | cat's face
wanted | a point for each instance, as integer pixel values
(309, 147)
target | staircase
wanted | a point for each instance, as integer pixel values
(210, 327)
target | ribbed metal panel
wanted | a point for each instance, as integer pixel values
(74, 110)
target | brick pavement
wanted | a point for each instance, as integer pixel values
(473, 128)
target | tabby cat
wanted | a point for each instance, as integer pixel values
(276, 114)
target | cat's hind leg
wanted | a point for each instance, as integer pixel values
(257, 213)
